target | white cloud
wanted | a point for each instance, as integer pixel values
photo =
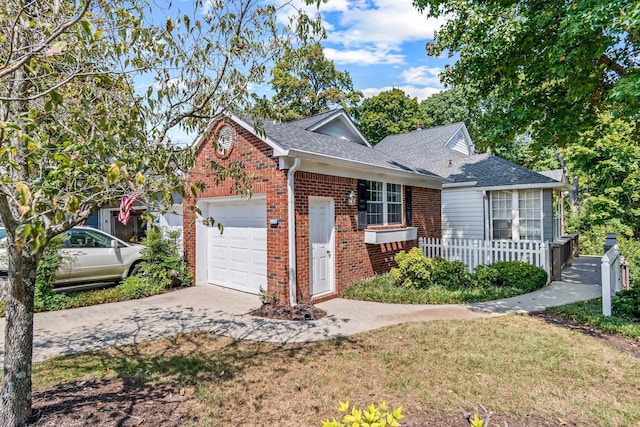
(380, 27)
(362, 56)
(413, 91)
(371, 29)
(423, 76)
(381, 22)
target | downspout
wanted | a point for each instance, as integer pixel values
(291, 221)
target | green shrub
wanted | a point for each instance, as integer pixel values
(379, 416)
(416, 271)
(449, 274)
(413, 270)
(163, 264)
(519, 275)
(627, 304)
(45, 298)
(484, 276)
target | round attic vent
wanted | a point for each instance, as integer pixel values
(225, 140)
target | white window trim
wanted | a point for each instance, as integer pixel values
(515, 215)
(385, 204)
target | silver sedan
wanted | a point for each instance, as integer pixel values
(91, 255)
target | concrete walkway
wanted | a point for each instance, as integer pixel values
(224, 312)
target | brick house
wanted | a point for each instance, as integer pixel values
(327, 209)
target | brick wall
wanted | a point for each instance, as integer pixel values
(354, 259)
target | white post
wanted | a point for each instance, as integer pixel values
(610, 277)
(606, 286)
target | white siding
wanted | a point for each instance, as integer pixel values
(339, 129)
(458, 143)
(462, 214)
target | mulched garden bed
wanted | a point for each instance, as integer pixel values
(283, 312)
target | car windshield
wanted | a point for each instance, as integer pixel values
(3, 233)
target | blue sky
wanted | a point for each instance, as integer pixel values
(381, 43)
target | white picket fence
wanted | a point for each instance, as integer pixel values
(485, 252)
(611, 278)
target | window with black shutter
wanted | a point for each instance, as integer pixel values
(379, 203)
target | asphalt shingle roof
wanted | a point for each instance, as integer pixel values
(425, 148)
(295, 136)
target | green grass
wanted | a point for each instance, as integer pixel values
(511, 365)
(383, 289)
(590, 313)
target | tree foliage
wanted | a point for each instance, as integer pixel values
(390, 112)
(607, 164)
(307, 83)
(450, 106)
(75, 134)
(549, 68)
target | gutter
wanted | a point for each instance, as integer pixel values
(293, 298)
(545, 185)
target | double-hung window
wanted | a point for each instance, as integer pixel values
(502, 215)
(384, 203)
(516, 215)
(530, 215)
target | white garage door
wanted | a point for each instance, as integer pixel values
(237, 258)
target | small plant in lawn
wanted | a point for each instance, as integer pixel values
(265, 298)
(373, 415)
(474, 419)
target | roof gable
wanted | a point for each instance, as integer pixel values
(461, 142)
(333, 123)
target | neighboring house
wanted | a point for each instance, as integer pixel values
(106, 219)
(327, 209)
(489, 198)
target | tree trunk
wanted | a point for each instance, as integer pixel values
(18, 347)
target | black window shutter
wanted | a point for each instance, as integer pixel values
(407, 204)
(362, 204)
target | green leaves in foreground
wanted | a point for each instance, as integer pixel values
(372, 416)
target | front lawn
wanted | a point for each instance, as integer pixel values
(526, 371)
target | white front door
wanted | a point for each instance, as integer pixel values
(321, 229)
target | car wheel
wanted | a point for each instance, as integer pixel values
(135, 269)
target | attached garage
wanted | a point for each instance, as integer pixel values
(237, 257)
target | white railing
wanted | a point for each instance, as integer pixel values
(485, 252)
(610, 278)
